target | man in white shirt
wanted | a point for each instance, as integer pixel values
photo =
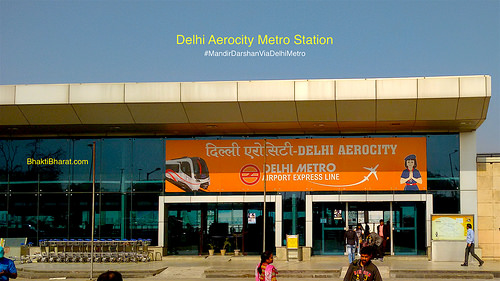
(470, 247)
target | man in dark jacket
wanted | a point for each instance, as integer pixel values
(363, 269)
(351, 242)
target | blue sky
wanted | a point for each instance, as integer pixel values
(135, 41)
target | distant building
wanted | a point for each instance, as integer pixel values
(488, 187)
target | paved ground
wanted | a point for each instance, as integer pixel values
(194, 268)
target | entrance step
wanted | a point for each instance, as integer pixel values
(246, 273)
(39, 274)
(441, 274)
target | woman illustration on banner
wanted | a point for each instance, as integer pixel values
(411, 176)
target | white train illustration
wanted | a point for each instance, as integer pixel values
(188, 173)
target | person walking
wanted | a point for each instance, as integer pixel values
(367, 230)
(363, 269)
(376, 242)
(265, 271)
(351, 242)
(383, 231)
(470, 247)
(359, 233)
(7, 267)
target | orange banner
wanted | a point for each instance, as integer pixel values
(319, 164)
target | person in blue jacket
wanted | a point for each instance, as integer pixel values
(411, 176)
(7, 267)
(470, 247)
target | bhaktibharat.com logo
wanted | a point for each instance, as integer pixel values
(53, 161)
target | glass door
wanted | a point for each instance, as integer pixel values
(329, 227)
(253, 228)
(241, 224)
(405, 228)
(368, 215)
(184, 229)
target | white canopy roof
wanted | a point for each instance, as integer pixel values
(336, 106)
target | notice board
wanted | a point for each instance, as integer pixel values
(450, 227)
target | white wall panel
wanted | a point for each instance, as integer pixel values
(355, 89)
(266, 91)
(203, 199)
(379, 197)
(438, 87)
(209, 92)
(353, 198)
(488, 85)
(7, 94)
(42, 94)
(468, 169)
(397, 88)
(176, 199)
(473, 86)
(314, 90)
(152, 92)
(325, 198)
(97, 93)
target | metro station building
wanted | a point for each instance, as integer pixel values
(193, 164)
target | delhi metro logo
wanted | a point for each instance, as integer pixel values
(250, 174)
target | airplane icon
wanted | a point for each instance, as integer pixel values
(373, 171)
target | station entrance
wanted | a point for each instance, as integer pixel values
(193, 229)
(405, 223)
(192, 225)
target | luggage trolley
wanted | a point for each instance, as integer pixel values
(25, 254)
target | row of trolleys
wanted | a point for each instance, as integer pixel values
(80, 250)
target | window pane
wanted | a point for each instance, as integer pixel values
(22, 216)
(23, 177)
(80, 214)
(111, 215)
(443, 162)
(4, 165)
(148, 165)
(53, 216)
(81, 176)
(144, 216)
(3, 214)
(446, 201)
(115, 172)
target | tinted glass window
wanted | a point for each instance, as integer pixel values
(81, 175)
(148, 167)
(443, 162)
(115, 173)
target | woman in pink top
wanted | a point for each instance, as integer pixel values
(265, 271)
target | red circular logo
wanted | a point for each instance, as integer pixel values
(250, 174)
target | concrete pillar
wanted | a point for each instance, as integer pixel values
(468, 175)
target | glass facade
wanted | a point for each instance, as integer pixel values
(53, 200)
(44, 200)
